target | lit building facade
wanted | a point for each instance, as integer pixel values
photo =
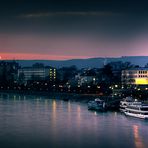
(87, 77)
(135, 76)
(87, 80)
(52, 74)
(37, 73)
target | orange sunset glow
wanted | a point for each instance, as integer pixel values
(24, 56)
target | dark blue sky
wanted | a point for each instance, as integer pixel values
(73, 29)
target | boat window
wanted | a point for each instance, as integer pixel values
(133, 112)
(133, 107)
(144, 109)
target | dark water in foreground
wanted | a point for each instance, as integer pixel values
(27, 122)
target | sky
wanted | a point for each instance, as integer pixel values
(73, 29)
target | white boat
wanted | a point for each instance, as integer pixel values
(125, 102)
(138, 110)
(97, 104)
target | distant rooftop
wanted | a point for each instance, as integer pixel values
(31, 67)
(139, 68)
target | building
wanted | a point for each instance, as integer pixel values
(87, 77)
(135, 76)
(52, 73)
(37, 73)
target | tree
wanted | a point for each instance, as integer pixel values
(67, 73)
(21, 78)
(107, 71)
(146, 66)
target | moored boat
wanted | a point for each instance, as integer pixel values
(97, 104)
(125, 102)
(138, 110)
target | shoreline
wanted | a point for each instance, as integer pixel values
(57, 95)
(112, 102)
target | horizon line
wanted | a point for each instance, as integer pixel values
(82, 58)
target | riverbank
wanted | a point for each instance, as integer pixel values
(56, 95)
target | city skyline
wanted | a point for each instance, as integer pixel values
(60, 30)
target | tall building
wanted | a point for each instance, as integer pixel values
(135, 76)
(52, 74)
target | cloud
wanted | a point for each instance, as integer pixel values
(70, 13)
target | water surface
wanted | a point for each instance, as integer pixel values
(41, 122)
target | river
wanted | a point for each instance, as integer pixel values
(42, 122)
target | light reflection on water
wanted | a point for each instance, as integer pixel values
(137, 138)
(29, 121)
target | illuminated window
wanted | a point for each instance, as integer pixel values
(141, 81)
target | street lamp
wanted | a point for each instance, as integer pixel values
(116, 86)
